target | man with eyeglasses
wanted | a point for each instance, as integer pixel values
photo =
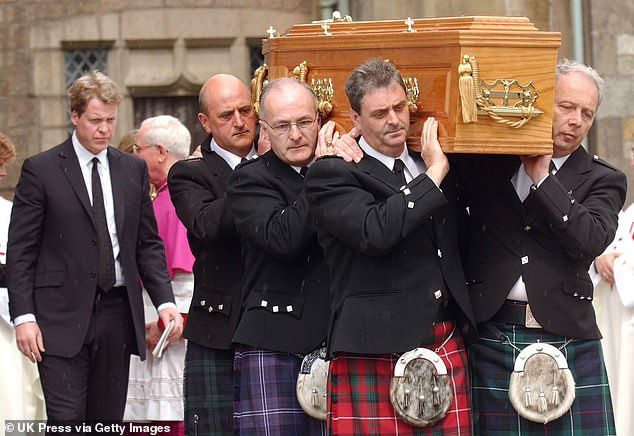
(389, 236)
(198, 191)
(286, 307)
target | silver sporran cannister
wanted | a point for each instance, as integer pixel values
(311, 384)
(542, 387)
(420, 390)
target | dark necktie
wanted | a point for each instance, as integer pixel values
(399, 171)
(105, 259)
(303, 171)
(552, 168)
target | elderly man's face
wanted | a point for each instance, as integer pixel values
(576, 102)
(384, 119)
(152, 154)
(291, 124)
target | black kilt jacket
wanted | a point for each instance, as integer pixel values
(392, 254)
(550, 239)
(198, 191)
(287, 303)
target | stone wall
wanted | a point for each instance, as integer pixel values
(156, 47)
(612, 50)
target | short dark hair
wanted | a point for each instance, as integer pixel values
(371, 74)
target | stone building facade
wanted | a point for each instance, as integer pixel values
(161, 51)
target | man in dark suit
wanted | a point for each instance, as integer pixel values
(534, 233)
(286, 308)
(81, 238)
(197, 188)
(388, 229)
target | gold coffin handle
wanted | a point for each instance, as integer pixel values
(257, 83)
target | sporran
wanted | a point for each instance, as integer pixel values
(420, 390)
(311, 384)
(542, 387)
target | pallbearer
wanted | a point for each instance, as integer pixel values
(286, 307)
(388, 228)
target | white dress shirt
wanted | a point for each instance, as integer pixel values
(412, 168)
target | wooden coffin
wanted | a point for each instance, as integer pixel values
(509, 111)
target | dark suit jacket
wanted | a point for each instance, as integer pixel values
(550, 239)
(387, 258)
(52, 249)
(287, 301)
(198, 191)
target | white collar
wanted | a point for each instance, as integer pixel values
(388, 161)
(85, 157)
(232, 159)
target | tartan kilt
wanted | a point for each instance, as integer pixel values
(491, 364)
(359, 386)
(265, 398)
(208, 391)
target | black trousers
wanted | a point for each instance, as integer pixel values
(92, 385)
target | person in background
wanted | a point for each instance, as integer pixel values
(21, 394)
(127, 141)
(198, 191)
(155, 390)
(613, 276)
(82, 237)
(535, 228)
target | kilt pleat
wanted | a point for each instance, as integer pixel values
(208, 389)
(359, 385)
(491, 364)
(265, 398)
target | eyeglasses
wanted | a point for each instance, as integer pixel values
(137, 149)
(285, 128)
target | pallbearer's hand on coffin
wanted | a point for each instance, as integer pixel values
(329, 142)
(435, 160)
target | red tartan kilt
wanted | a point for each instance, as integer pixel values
(359, 386)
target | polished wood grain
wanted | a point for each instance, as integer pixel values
(505, 47)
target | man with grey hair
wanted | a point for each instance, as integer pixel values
(161, 141)
(536, 223)
(155, 391)
(81, 239)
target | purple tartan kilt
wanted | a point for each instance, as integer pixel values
(265, 398)
(360, 392)
(491, 364)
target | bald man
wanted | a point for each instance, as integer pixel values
(197, 187)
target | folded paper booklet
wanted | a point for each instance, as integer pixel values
(162, 343)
